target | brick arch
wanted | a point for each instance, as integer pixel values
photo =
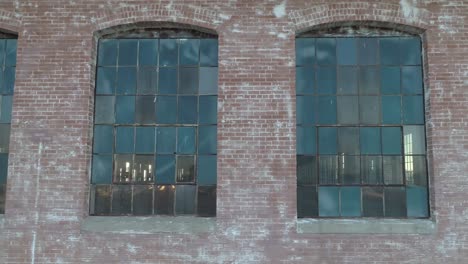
(9, 22)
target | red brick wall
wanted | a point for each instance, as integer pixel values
(52, 120)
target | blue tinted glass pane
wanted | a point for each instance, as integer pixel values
(390, 80)
(147, 82)
(189, 49)
(416, 201)
(348, 80)
(165, 169)
(187, 110)
(124, 140)
(326, 80)
(165, 140)
(326, 51)
(145, 109)
(167, 80)
(305, 51)
(411, 79)
(188, 80)
(410, 51)
(369, 80)
(307, 201)
(208, 82)
(391, 109)
(348, 109)
(326, 109)
(208, 110)
(3, 167)
(208, 52)
(10, 56)
(348, 140)
(105, 83)
(207, 139)
(168, 52)
(144, 140)
(350, 201)
(346, 51)
(369, 109)
(104, 110)
(2, 90)
(389, 51)
(370, 140)
(125, 109)
(107, 52)
(186, 140)
(9, 80)
(305, 109)
(391, 140)
(306, 140)
(166, 109)
(128, 49)
(413, 110)
(327, 140)
(103, 139)
(2, 50)
(304, 80)
(6, 102)
(126, 80)
(206, 170)
(102, 169)
(185, 199)
(329, 201)
(368, 51)
(148, 53)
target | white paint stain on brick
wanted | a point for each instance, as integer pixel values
(280, 10)
(409, 9)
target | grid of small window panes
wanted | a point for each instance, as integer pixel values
(7, 84)
(155, 133)
(360, 128)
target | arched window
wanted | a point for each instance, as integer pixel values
(154, 147)
(361, 148)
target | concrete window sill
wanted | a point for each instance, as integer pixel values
(366, 226)
(148, 225)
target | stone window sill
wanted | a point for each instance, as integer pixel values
(366, 226)
(148, 225)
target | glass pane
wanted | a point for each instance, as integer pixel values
(102, 199)
(393, 169)
(164, 200)
(9, 80)
(207, 139)
(329, 201)
(304, 80)
(208, 80)
(126, 80)
(368, 51)
(411, 82)
(347, 80)
(416, 170)
(145, 112)
(350, 199)
(208, 110)
(416, 201)
(188, 80)
(348, 109)
(123, 166)
(2, 50)
(349, 169)
(6, 102)
(168, 52)
(104, 110)
(369, 80)
(168, 80)
(390, 80)
(371, 169)
(148, 53)
(206, 204)
(391, 109)
(144, 140)
(125, 110)
(305, 113)
(413, 110)
(391, 140)
(3, 167)
(105, 83)
(410, 51)
(166, 109)
(327, 140)
(165, 169)
(307, 204)
(107, 52)
(306, 140)
(370, 140)
(147, 80)
(165, 140)
(185, 168)
(124, 140)
(2, 90)
(306, 170)
(102, 169)
(328, 169)
(372, 201)
(4, 138)
(346, 51)
(142, 200)
(326, 80)
(395, 202)
(128, 52)
(327, 109)
(305, 51)
(189, 49)
(10, 56)
(414, 140)
(348, 140)
(186, 140)
(389, 51)
(143, 169)
(206, 170)
(103, 139)
(185, 199)
(326, 51)
(369, 109)
(208, 52)
(187, 110)
(121, 199)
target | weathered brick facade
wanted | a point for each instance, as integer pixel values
(50, 149)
